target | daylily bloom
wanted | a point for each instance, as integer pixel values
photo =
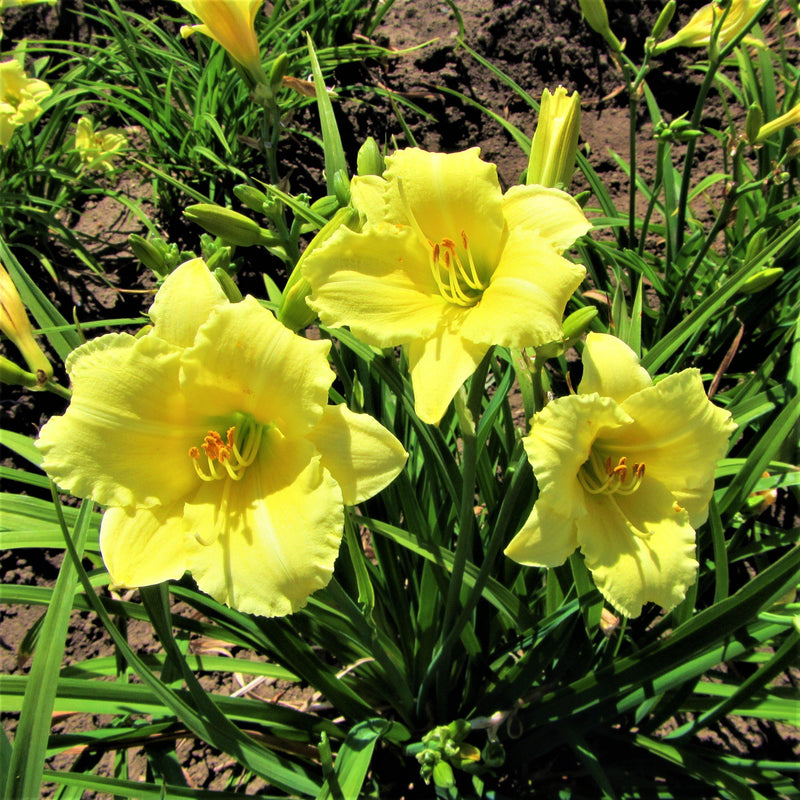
(19, 99)
(211, 441)
(625, 469)
(447, 265)
(230, 23)
(98, 148)
(791, 117)
(697, 31)
(555, 141)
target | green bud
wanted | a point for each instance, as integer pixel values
(148, 254)
(220, 259)
(577, 323)
(233, 227)
(555, 141)
(664, 19)
(370, 160)
(755, 244)
(14, 375)
(228, 286)
(459, 728)
(596, 16)
(253, 198)
(279, 68)
(753, 122)
(443, 775)
(761, 280)
(341, 187)
(326, 206)
(293, 311)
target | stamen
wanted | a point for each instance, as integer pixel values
(615, 480)
(226, 458)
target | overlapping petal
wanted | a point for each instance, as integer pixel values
(611, 368)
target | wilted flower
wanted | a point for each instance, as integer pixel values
(15, 324)
(555, 142)
(19, 99)
(212, 442)
(98, 148)
(231, 23)
(625, 470)
(697, 31)
(447, 265)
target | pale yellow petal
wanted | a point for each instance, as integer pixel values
(274, 537)
(438, 366)
(450, 193)
(546, 539)
(639, 548)
(368, 195)
(184, 302)
(680, 435)
(550, 213)
(125, 438)
(523, 305)
(560, 441)
(358, 451)
(379, 283)
(611, 368)
(244, 360)
(144, 546)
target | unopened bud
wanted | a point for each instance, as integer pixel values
(664, 19)
(341, 187)
(753, 122)
(761, 280)
(555, 141)
(443, 775)
(14, 375)
(370, 160)
(755, 244)
(577, 324)
(220, 259)
(229, 225)
(596, 16)
(228, 286)
(253, 198)
(279, 68)
(14, 323)
(148, 254)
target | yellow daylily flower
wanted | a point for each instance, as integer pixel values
(697, 31)
(625, 469)
(98, 148)
(212, 443)
(19, 99)
(447, 265)
(230, 23)
(791, 117)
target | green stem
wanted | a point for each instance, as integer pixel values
(57, 388)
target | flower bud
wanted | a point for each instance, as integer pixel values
(555, 141)
(370, 160)
(341, 187)
(149, 254)
(253, 198)
(443, 775)
(596, 16)
(228, 286)
(763, 279)
(233, 227)
(14, 323)
(14, 375)
(279, 67)
(664, 19)
(577, 324)
(753, 122)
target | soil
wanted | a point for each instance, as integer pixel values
(537, 44)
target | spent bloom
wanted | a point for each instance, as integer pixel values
(625, 470)
(14, 323)
(447, 265)
(98, 148)
(20, 97)
(230, 23)
(697, 31)
(212, 443)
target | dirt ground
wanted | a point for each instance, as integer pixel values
(539, 45)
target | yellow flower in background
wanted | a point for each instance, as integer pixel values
(791, 117)
(230, 23)
(625, 470)
(98, 148)
(14, 323)
(555, 141)
(19, 99)
(697, 31)
(212, 443)
(447, 265)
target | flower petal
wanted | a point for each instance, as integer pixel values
(524, 304)
(546, 539)
(559, 443)
(438, 366)
(184, 302)
(639, 547)
(368, 195)
(611, 368)
(244, 360)
(550, 213)
(358, 451)
(144, 546)
(448, 194)
(378, 282)
(274, 538)
(680, 435)
(124, 439)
